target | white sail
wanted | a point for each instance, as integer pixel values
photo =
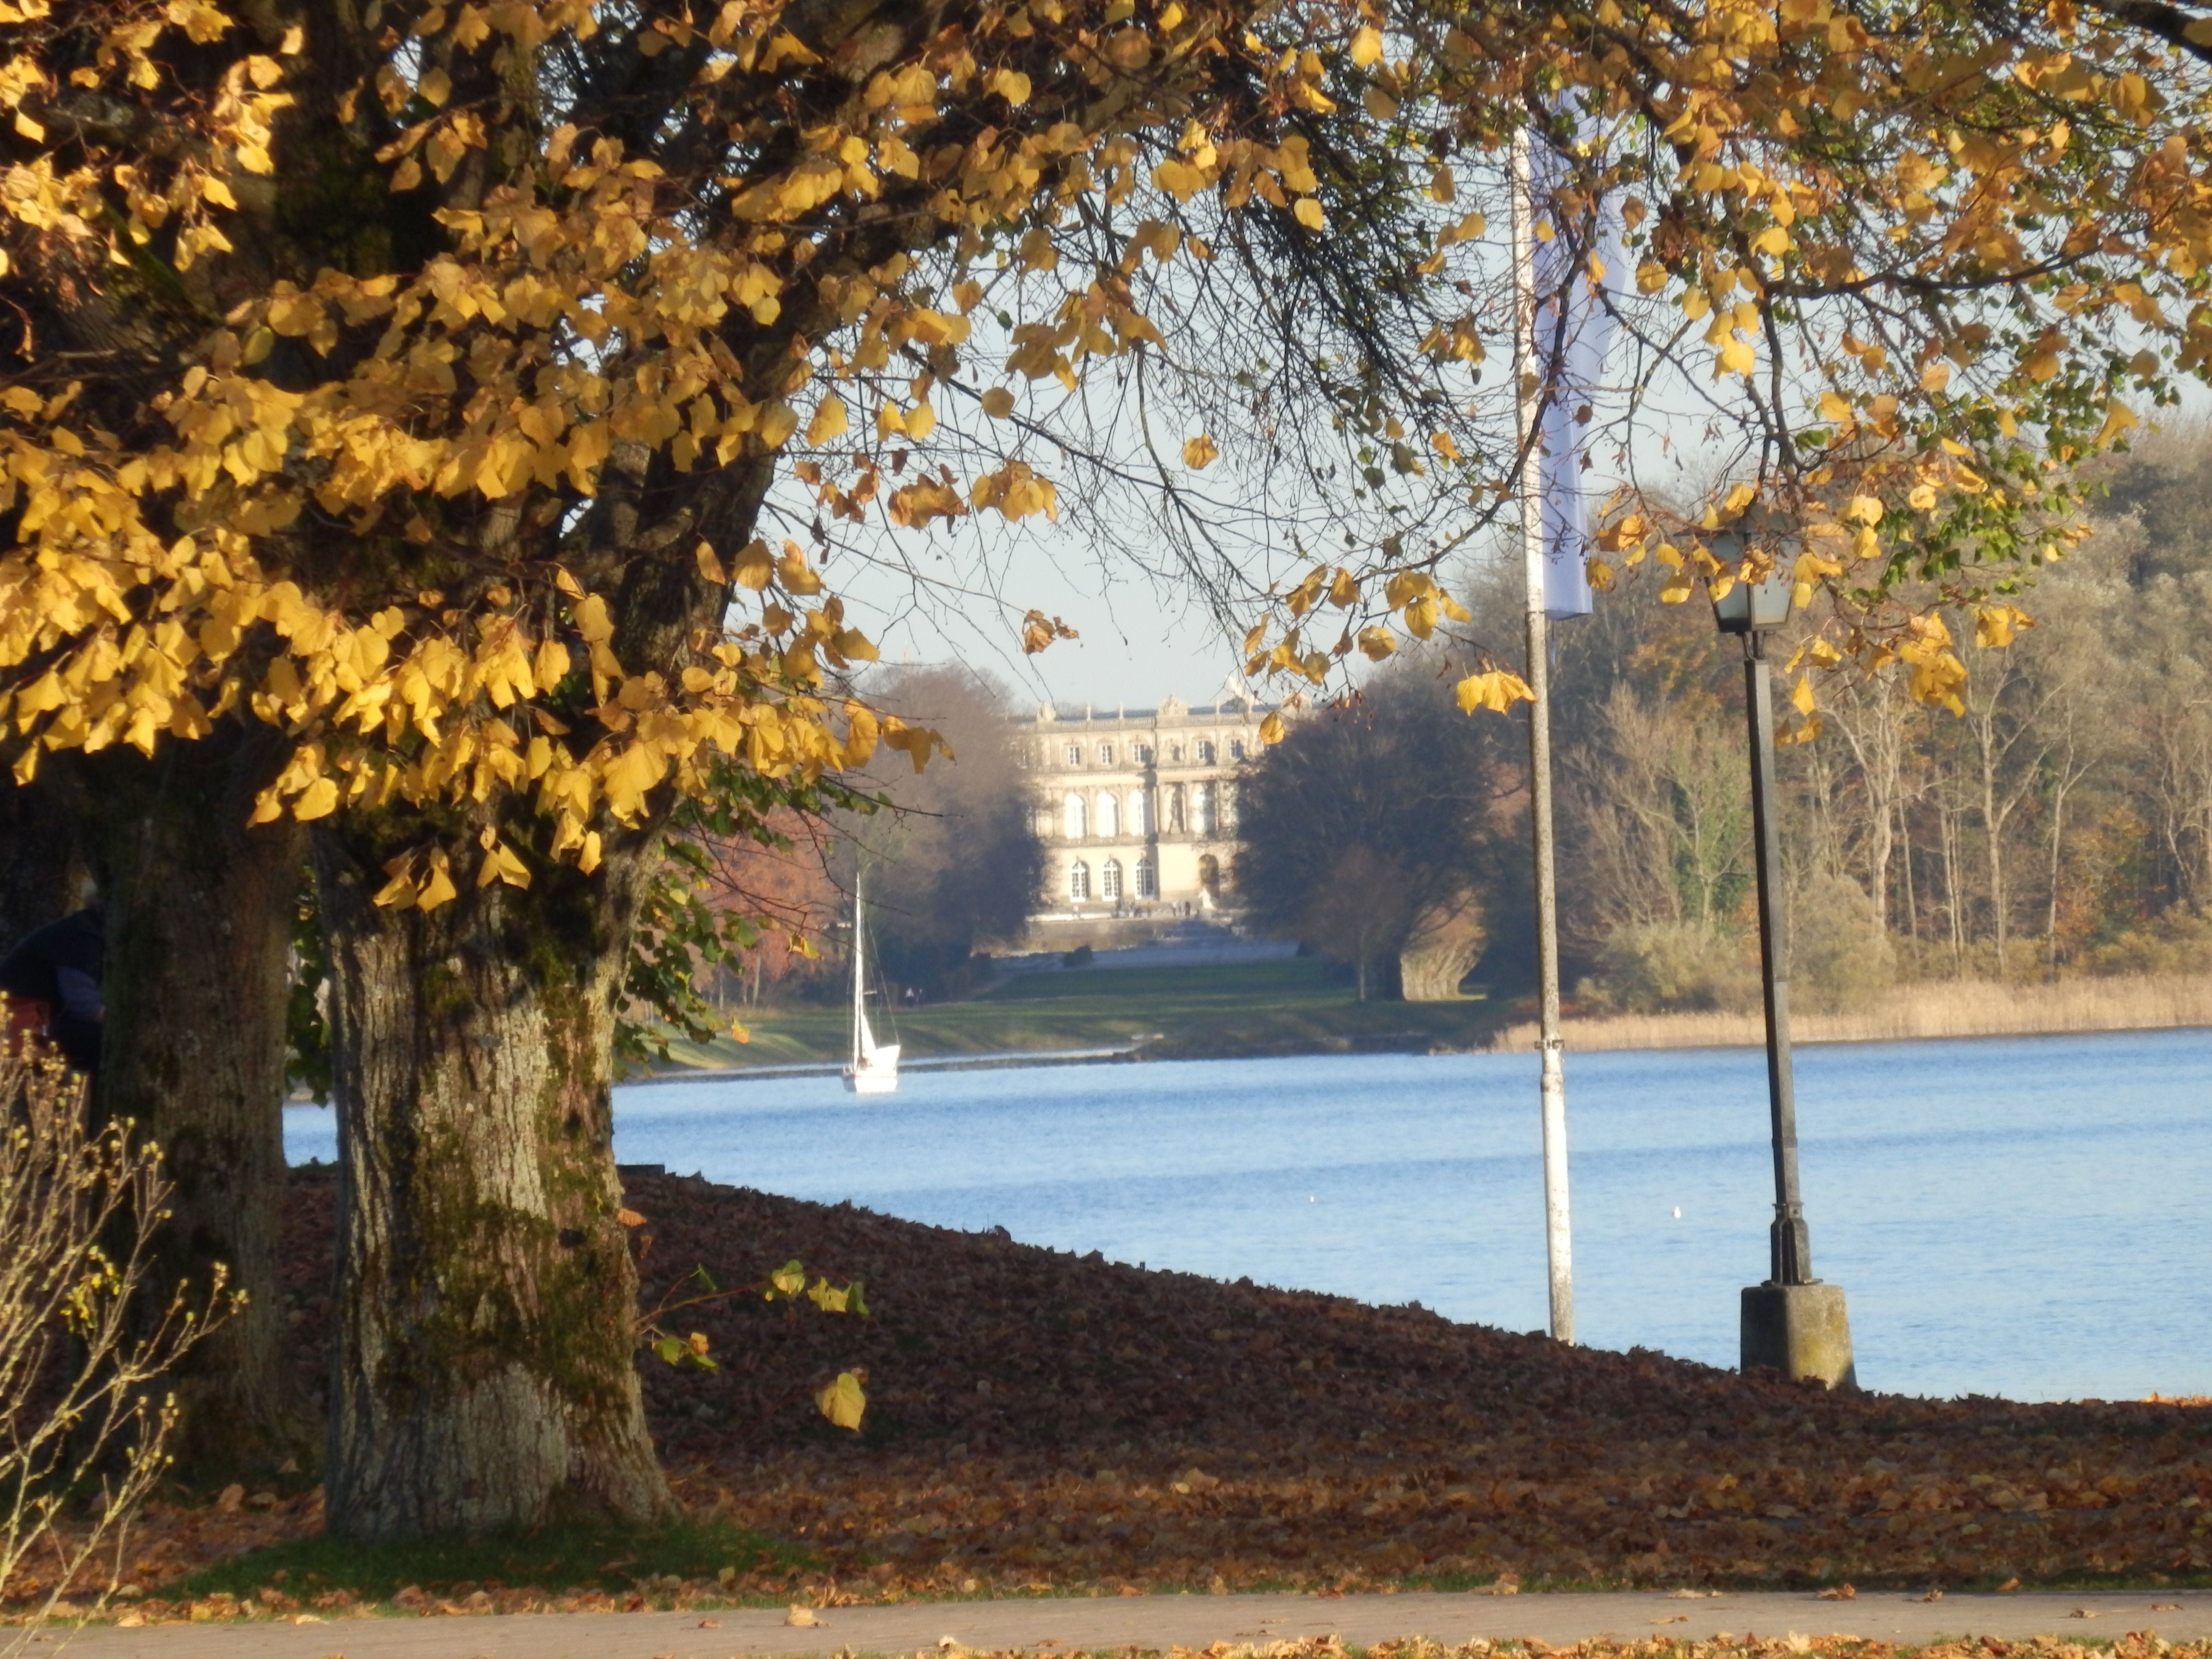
(874, 1068)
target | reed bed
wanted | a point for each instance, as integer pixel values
(1930, 1008)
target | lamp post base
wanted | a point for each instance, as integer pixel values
(1800, 1330)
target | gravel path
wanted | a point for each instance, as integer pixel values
(1157, 1623)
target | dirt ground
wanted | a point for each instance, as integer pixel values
(1038, 1421)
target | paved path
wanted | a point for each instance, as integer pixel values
(1149, 1621)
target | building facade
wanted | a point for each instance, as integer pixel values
(1137, 808)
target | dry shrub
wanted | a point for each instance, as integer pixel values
(83, 1419)
(1931, 1008)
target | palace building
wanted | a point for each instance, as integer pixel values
(1137, 808)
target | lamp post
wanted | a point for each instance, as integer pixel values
(1793, 1323)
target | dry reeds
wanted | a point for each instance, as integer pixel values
(1931, 1008)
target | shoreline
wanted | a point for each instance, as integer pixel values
(1930, 1011)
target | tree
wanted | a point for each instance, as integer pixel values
(956, 863)
(414, 388)
(1372, 818)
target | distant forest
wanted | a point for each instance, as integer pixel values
(2061, 824)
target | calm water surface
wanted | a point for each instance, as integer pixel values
(2022, 1217)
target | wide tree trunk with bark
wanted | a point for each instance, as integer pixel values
(200, 911)
(485, 1363)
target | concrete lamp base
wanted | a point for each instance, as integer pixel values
(1800, 1330)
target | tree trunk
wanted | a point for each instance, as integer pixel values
(200, 912)
(485, 1350)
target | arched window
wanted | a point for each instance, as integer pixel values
(1075, 753)
(1205, 751)
(1072, 818)
(1140, 812)
(1110, 879)
(1203, 813)
(1079, 880)
(1145, 885)
(1109, 813)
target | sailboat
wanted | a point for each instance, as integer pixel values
(874, 1069)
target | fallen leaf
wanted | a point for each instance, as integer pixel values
(2009, 1584)
(2166, 1607)
(1841, 1593)
(802, 1617)
(2082, 1612)
(1673, 1619)
(710, 1624)
(1935, 1595)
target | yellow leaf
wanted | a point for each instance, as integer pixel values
(1367, 46)
(754, 566)
(710, 567)
(1443, 443)
(841, 1401)
(1802, 694)
(1271, 729)
(1923, 498)
(1737, 357)
(1199, 453)
(829, 420)
(1864, 508)
(1308, 213)
(1379, 104)
(318, 800)
(1497, 690)
(998, 402)
(1834, 407)
(438, 888)
(2118, 417)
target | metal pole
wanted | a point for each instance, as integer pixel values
(1790, 1248)
(1551, 1089)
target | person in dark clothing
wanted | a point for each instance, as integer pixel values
(52, 981)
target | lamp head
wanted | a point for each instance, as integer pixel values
(1750, 607)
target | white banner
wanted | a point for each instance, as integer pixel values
(1572, 359)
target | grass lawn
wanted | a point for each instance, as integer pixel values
(1219, 1009)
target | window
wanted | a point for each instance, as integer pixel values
(1175, 753)
(1109, 814)
(1205, 751)
(1079, 880)
(1072, 818)
(1228, 806)
(1140, 812)
(1075, 753)
(1144, 882)
(1105, 754)
(1175, 806)
(1237, 749)
(1203, 815)
(1141, 753)
(1110, 879)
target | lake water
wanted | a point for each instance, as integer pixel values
(2017, 1216)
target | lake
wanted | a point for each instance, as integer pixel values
(2024, 1216)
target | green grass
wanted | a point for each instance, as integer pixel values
(1242, 1008)
(551, 1558)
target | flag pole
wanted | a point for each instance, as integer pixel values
(1552, 1088)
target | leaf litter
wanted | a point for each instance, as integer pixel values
(1038, 1422)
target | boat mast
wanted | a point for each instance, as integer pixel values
(859, 1013)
